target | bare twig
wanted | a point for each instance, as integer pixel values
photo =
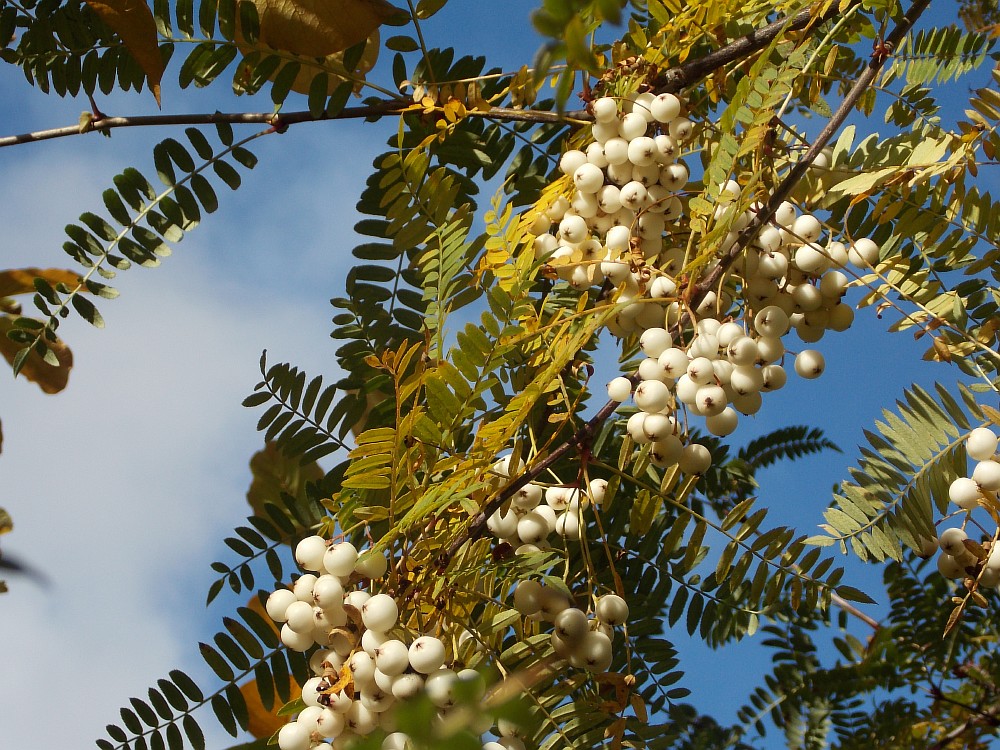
(671, 80)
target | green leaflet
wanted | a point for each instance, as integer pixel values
(897, 488)
(149, 222)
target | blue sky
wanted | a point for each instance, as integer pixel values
(122, 487)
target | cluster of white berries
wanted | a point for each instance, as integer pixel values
(584, 640)
(628, 193)
(957, 560)
(536, 512)
(366, 660)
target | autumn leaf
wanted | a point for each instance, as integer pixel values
(261, 722)
(319, 28)
(275, 473)
(50, 378)
(133, 21)
(22, 280)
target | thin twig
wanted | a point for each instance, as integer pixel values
(671, 80)
(585, 434)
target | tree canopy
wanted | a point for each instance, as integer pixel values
(576, 281)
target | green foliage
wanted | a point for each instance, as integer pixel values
(143, 224)
(903, 479)
(459, 343)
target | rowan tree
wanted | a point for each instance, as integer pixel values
(472, 537)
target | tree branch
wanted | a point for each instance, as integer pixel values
(586, 433)
(671, 80)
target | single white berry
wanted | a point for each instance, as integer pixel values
(665, 108)
(632, 126)
(588, 177)
(380, 613)
(987, 475)
(619, 389)
(724, 423)
(597, 490)
(278, 603)
(407, 685)
(296, 641)
(680, 128)
(329, 723)
(299, 617)
(340, 558)
(502, 523)
(309, 553)
(949, 567)
(695, 459)
(652, 396)
(674, 176)
(303, 587)
(571, 160)
(372, 565)
(952, 541)
(605, 109)
(964, 492)
(612, 610)
(328, 592)
(771, 321)
(528, 597)
(711, 400)
(294, 736)
(392, 657)
(809, 364)
(981, 444)
(807, 228)
(666, 452)
(595, 652)
(864, 252)
(573, 229)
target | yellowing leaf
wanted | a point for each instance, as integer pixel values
(274, 473)
(264, 723)
(50, 379)
(22, 280)
(133, 21)
(319, 28)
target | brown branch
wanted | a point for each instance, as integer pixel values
(845, 605)
(797, 172)
(672, 80)
(585, 434)
(675, 79)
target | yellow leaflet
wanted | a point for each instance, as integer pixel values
(133, 21)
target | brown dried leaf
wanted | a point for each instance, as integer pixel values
(133, 21)
(49, 378)
(953, 619)
(345, 681)
(319, 28)
(264, 723)
(273, 473)
(22, 280)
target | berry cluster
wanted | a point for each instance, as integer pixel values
(961, 557)
(528, 522)
(584, 640)
(622, 227)
(367, 657)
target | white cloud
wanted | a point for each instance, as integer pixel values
(122, 486)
